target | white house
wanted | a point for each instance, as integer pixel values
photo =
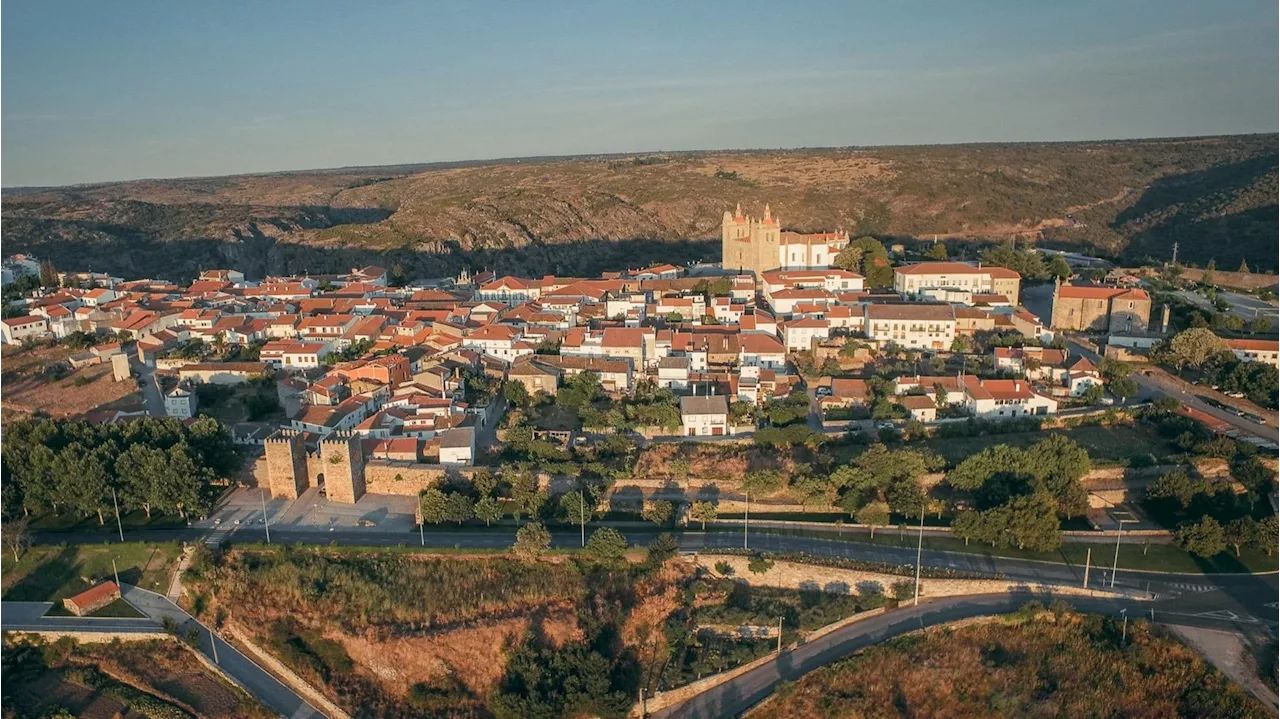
(180, 403)
(458, 446)
(1267, 351)
(704, 416)
(1005, 399)
(17, 329)
(756, 349)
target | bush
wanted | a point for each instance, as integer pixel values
(724, 569)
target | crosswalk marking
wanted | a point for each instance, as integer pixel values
(1194, 587)
(215, 537)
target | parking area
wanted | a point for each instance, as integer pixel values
(243, 509)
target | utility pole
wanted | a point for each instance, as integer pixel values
(266, 523)
(1175, 254)
(779, 635)
(746, 519)
(115, 572)
(919, 553)
(213, 642)
(643, 710)
(1124, 630)
(1088, 554)
(115, 503)
(422, 534)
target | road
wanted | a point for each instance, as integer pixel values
(29, 616)
(1245, 596)
(736, 696)
(1246, 307)
(268, 690)
(151, 397)
(1160, 384)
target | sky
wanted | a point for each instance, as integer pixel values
(95, 91)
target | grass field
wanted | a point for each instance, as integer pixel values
(51, 573)
(1114, 445)
(1033, 664)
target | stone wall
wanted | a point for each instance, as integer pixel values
(793, 575)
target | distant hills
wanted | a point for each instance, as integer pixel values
(1127, 199)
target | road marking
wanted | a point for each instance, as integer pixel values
(1227, 615)
(214, 538)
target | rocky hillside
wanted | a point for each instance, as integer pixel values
(1215, 196)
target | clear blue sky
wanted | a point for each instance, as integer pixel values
(96, 90)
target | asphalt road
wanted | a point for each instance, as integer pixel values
(1158, 384)
(29, 617)
(255, 679)
(736, 696)
(1244, 596)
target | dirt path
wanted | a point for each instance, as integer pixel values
(1229, 652)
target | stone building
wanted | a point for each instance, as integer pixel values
(757, 246)
(1100, 309)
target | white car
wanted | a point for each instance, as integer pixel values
(823, 392)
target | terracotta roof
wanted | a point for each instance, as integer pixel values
(1254, 345)
(1101, 293)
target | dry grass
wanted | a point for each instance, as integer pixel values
(1052, 666)
(168, 668)
(27, 388)
(475, 655)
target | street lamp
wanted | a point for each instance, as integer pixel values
(1115, 563)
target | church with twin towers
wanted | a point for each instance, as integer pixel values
(759, 245)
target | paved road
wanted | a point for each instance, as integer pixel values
(269, 690)
(151, 397)
(1158, 384)
(1246, 307)
(1243, 595)
(736, 696)
(29, 617)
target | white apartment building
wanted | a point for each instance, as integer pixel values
(955, 281)
(915, 326)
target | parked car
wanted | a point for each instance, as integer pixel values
(1236, 395)
(822, 392)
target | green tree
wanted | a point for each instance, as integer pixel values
(527, 495)
(532, 541)
(1092, 395)
(1242, 531)
(874, 514)
(82, 481)
(968, 524)
(1203, 538)
(142, 471)
(1194, 347)
(762, 482)
(662, 548)
(1059, 268)
(1025, 522)
(516, 393)
(607, 547)
(1269, 535)
(1175, 485)
(759, 564)
(938, 251)
(703, 512)
(48, 275)
(434, 505)
(458, 507)
(658, 511)
(488, 509)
